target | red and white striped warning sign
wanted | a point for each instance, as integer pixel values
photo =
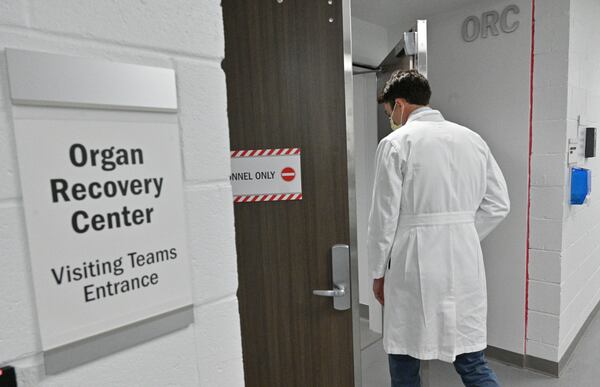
(266, 198)
(266, 175)
(265, 152)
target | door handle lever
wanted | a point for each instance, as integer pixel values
(339, 291)
(340, 273)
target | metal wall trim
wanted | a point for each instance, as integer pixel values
(72, 355)
(45, 79)
(422, 47)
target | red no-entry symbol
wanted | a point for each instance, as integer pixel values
(288, 174)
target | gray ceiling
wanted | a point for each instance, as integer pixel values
(393, 13)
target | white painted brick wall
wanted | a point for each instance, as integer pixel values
(545, 234)
(544, 351)
(549, 64)
(12, 12)
(581, 286)
(551, 26)
(580, 220)
(18, 336)
(545, 266)
(544, 327)
(575, 315)
(167, 360)
(547, 202)
(550, 137)
(217, 344)
(550, 102)
(577, 252)
(179, 26)
(186, 35)
(9, 174)
(199, 115)
(548, 176)
(210, 215)
(547, 169)
(565, 248)
(575, 283)
(544, 297)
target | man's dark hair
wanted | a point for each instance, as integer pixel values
(410, 85)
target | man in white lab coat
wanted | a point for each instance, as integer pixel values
(438, 192)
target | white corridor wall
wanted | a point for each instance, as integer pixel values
(187, 36)
(365, 135)
(369, 42)
(580, 285)
(564, 268)
(484, 85)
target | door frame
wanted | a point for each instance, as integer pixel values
(350, 143)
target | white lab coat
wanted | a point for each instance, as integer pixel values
(437, 192)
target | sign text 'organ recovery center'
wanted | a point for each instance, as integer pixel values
(105, 221)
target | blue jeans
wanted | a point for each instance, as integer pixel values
(472, 367)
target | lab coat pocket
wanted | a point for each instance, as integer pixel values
(481, 269)
(412, 275)
(416, 273)
(477, 245)
(407, 253)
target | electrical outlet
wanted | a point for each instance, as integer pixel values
(573, 156)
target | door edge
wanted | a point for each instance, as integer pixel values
(350, 138)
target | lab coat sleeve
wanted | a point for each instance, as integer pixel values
(495, 204)
(385, 206)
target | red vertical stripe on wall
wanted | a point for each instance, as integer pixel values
(531, 70)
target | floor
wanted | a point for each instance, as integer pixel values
(583, 370)
(367, 336)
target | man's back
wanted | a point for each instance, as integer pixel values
(445, 167)
(438, 191)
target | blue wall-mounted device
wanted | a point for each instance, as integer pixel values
(581, 185)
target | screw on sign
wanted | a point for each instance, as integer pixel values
(288, 174)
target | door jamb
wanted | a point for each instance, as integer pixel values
(350, 153)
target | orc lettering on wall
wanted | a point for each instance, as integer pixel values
(105, 221)
(491, 23)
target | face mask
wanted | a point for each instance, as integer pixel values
(393, 125)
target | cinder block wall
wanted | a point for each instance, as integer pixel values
(564, 266)
(580, 289)
(548, 171)
(186, 35)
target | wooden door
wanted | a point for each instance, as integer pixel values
(285, 87)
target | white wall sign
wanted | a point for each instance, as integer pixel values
(105, 220)
(266, 175)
